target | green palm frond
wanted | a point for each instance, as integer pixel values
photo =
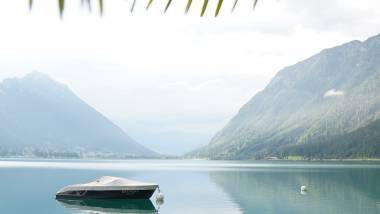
(61, 6)
(167, 5)
(220, 2)
(254, 4)
(188, 5)
(30, 5)
(101, 7)
(149, 3)
(204, 7)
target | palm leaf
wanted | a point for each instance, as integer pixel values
(188, 5)
(204, 7)
(101, 7)
(233, 7)
(30, 5)
(254, 4)
(149, 3)
(133, 5)
(167, 5)
(61, 6)
(220, 2)
(89, 5)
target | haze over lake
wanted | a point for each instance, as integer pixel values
(119, 107)
(198, 186)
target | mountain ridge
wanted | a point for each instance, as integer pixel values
(41, 115)
(331, 93)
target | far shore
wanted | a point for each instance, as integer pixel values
(191, 159)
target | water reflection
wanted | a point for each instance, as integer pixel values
(199, 187)
(277, 191)
(109, 206)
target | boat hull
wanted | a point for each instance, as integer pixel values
(106, 194)
(109, 206)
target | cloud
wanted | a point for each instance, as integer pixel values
(334, 16)
(333, 93)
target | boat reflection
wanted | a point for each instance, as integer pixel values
(109, 206)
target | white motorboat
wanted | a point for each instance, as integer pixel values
(108, 187)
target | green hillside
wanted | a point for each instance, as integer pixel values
(315, 108)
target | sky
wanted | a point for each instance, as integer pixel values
(171, 81)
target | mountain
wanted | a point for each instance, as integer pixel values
(41, 117)
(327, 106)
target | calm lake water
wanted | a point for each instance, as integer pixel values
(217, 187)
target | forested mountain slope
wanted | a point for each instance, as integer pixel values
(321, 102)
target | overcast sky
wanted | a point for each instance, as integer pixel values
(172, 81)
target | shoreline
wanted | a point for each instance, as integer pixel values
(189, 159)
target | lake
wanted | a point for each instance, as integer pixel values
(217, 187)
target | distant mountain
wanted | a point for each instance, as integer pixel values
(327, 106)
(41, 117)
